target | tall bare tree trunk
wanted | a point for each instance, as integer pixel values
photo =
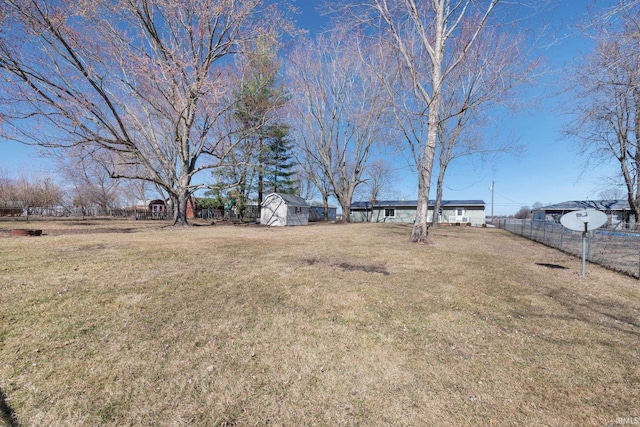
(418, 32)
(634, 196)
(438, 202)
(420, 231)
(180, 208)
(180, 198)
(261, 172)
(325, 206)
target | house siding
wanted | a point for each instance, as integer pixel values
(359, 216)
(300, 218)
(473, 213)
(401, 215)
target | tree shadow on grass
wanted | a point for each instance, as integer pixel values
(599, 313)
(7, 416)
(552, 266)
(376, 268)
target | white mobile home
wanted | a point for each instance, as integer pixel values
(284, 209)
(452, 212)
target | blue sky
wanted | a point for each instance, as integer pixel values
(550, 169)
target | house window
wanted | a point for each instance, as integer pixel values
(459, 212)
(389, 213)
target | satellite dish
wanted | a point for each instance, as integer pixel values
(584, 220)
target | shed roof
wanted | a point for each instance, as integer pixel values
(289, 199)
(414, 203)
(601, 205)
(145, 203)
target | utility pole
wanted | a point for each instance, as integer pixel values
(492, 187)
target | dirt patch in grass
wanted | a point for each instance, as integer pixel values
(366, 268)
(351, 267)
(58, 227)
(344, 325)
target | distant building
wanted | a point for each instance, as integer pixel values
(451, 212)
(618, 211)
(316, 211)
(145, 209)
(158, 208)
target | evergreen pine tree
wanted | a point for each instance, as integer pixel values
(279, 166)
(259, 97)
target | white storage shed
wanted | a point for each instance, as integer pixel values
(284, 209)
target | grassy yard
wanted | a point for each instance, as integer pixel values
(134, 323)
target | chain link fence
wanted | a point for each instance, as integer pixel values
(617, 249)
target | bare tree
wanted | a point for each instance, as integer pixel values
(607, 90)
(5, 189)
(314, 173)
(612, 193)
(304, 183)
(337, 108)
(10, 205)
(34, 195)
(523, 213)
(134, 191)
(379, 177)
(488, 76)
(93, 187)
(431, 39)
(144, 79)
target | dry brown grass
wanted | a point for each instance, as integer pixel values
(319, 325)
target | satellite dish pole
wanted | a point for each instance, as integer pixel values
(584, 220)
